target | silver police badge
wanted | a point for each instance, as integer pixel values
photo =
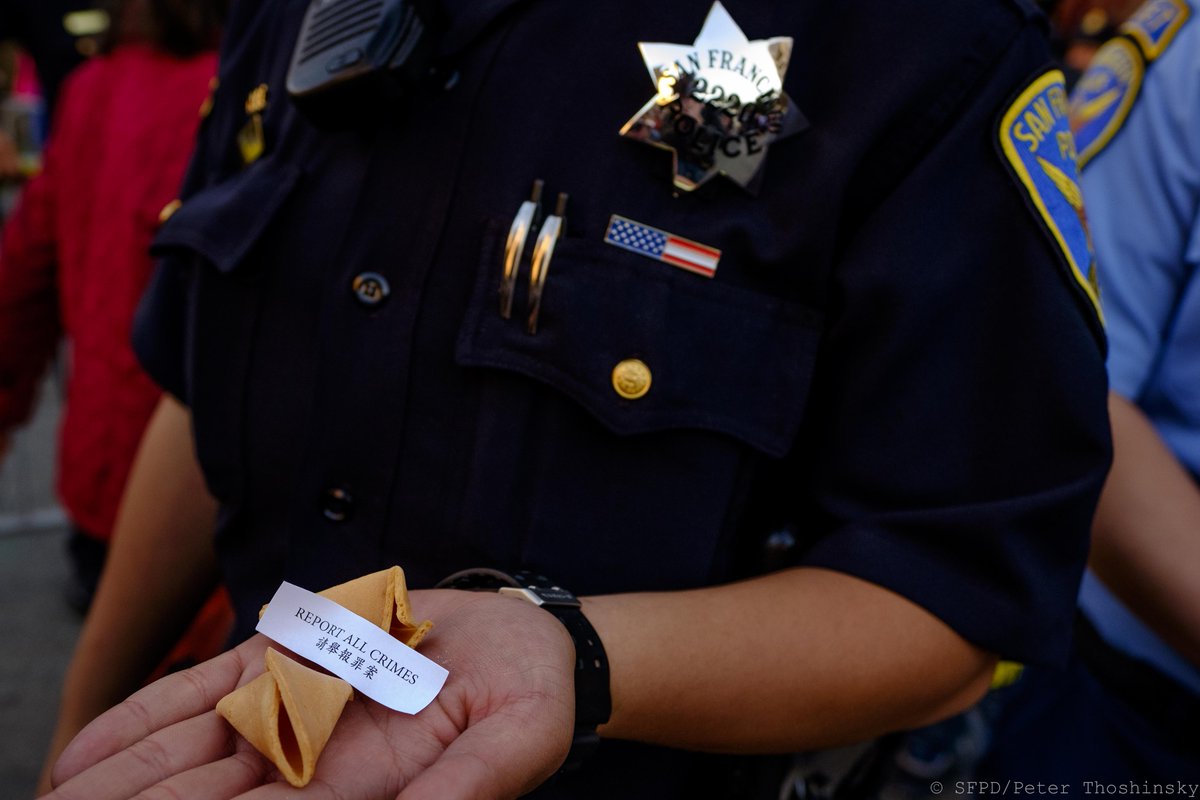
(720, 102)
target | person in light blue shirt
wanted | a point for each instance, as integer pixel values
(1129, 704)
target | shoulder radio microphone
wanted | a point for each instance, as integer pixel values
(353, 55)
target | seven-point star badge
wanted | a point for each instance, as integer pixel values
(720, 102)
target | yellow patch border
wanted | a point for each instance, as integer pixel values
(1015, 109)
(1152, 50)
(1118, 119)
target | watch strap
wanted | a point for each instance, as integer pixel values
(593, 701)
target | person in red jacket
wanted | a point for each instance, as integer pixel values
(74, 254)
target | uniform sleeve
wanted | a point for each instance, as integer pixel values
(1142, 194)
(160, 328)
(959, 436)
(162, 325)
(161, 321)
(29, 314)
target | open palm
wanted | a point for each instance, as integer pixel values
(500, 726)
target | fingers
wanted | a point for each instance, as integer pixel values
(165, 755)
(316, 790)
(171, 700)
(361, 762)
(221, 780)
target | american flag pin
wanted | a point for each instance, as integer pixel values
(662, 246)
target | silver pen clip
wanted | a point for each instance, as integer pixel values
(543, 252)
(527, 219)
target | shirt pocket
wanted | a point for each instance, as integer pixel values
(222, 222)
(206, 251)
(605, 476)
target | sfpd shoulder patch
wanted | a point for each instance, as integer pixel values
(1104, 95)
(1036, 139)
(1155, 24)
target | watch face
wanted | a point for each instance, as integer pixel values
(554, 596)
(548, 597)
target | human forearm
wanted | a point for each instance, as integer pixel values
(688, 669)
(160, 569)
(796, 660)
(1146, 539)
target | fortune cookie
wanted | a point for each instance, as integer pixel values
(381, 598)
(288, 714)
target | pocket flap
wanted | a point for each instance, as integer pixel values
(720, 358)
(221, 222)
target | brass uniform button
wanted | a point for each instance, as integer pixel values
(631, 379)
(169, 210)
(256, 101)
(207, 106)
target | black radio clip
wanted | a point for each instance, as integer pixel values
(354, 55)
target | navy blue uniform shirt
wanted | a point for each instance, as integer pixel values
(893, 362)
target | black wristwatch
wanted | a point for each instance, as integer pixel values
(593, 702)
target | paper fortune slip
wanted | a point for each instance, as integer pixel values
(357, 651)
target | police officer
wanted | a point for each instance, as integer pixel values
(796, 381)
(1126, 707)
